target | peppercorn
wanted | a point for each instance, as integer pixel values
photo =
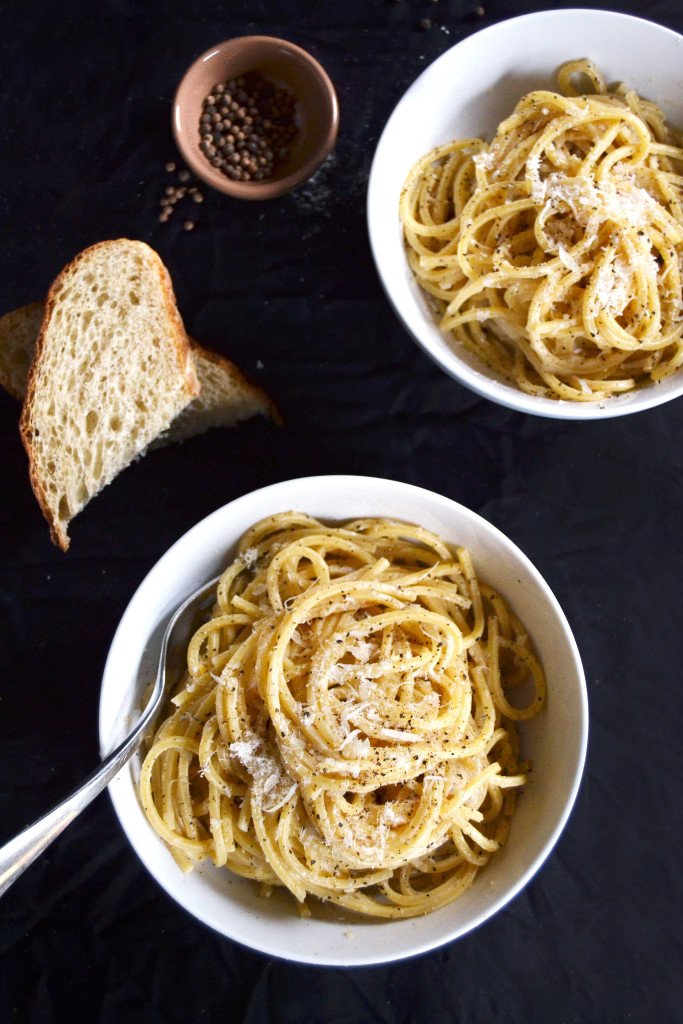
(243, 117)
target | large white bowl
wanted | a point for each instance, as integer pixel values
(556, 740)
(466, 93)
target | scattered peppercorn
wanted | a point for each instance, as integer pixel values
(247, 127)
(174, 194)
(425, 23)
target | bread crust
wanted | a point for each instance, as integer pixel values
(11, 376)
(34, 311)
(178, 339)
(240, 378)
(230, 395)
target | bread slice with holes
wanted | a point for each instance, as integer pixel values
(18, 333)
(112, 369)
(226, 398)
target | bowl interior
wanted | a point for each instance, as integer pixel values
(286, 65)
(466, 93)
(556, 740)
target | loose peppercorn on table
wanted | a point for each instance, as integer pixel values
(287, 290)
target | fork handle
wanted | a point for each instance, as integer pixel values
(18, 853)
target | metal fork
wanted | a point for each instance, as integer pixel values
(18, 853)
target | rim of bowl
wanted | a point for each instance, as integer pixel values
(275, 186)
(362, 488)
(493, 387)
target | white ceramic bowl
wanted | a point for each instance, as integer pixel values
(556, 740)
(466, 93)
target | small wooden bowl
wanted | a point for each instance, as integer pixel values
(286, 65)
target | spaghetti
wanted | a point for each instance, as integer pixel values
(346, 724)
(555, 254)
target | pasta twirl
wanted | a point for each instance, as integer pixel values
(346, 724)
(555, 253)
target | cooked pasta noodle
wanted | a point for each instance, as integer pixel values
(555, 253)
(345, 727)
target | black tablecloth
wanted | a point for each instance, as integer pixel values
(288, 290)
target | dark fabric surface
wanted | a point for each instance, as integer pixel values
(288, 290)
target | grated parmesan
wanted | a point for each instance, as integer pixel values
(249, 557)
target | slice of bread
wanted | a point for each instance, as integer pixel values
(227, 397)
(112, 369)
(18, 332)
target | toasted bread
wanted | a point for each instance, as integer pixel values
(112, 369)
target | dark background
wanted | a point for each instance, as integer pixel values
(288, 290)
